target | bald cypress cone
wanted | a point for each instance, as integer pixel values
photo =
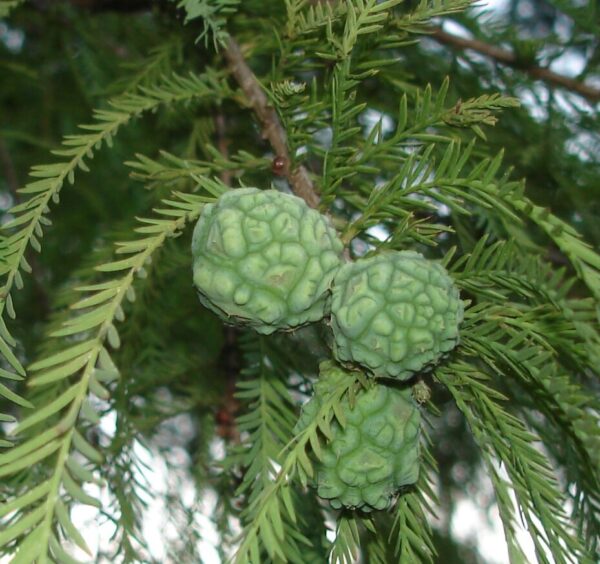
(368, 460)
(394, 314)
(264, 259)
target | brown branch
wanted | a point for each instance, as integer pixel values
(230, 362)
(510, 59)
(267, 116)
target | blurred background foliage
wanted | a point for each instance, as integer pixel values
(61, 59)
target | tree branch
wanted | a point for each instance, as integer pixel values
(12, 181)
(267, 116)
(510, 59)
(233, 53)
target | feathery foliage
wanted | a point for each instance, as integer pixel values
(110, 369)
(213, 14)
(27, 227)
(274, 505)
(73, 374)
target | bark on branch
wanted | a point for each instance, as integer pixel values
(500, 55)
(267, 116)
(510, 59)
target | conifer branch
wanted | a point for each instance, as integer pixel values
(345, 549)
(584, 259)
(274, 504)
(172, 169)
(522, 374)
(90, 364)
(298, 177)
(511, 59)
(504, 438)
(268, 420)
(13, 186)
(150, 69)
(27, 228)
(411, 531)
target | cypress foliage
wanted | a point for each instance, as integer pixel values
(466, 148)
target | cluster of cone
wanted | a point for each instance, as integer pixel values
(266, 260)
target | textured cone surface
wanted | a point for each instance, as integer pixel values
(394, 314)
(264, 259)
(377, 451)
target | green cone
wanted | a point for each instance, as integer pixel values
(377, 452)
(394, 314)
(264, 259)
